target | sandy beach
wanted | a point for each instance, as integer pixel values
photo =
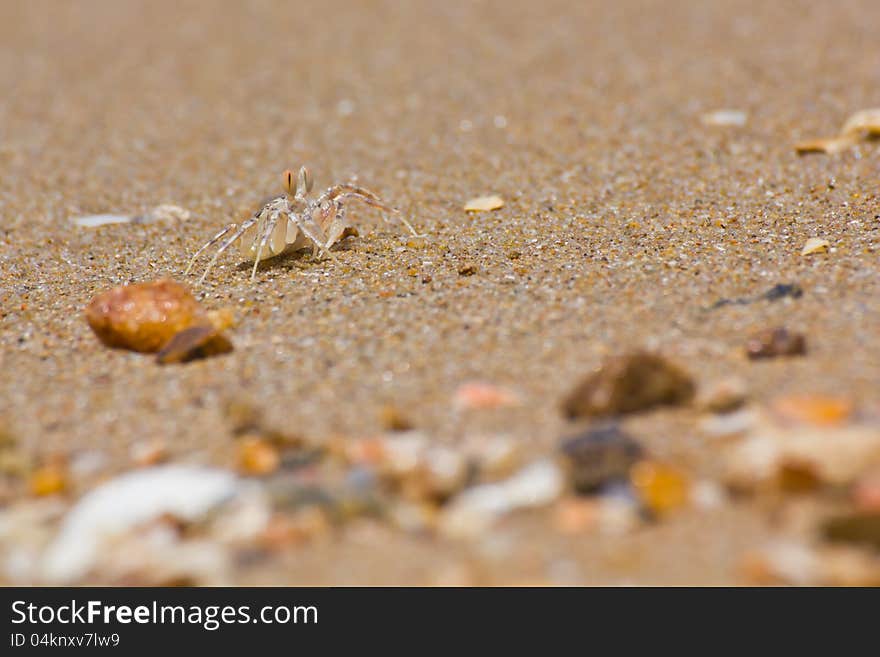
(626, 216)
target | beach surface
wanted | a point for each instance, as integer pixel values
(626, 216)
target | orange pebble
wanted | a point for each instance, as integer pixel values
(257, 457)
(49, 479)
(661, 488)
(813, 409)
(476, 395)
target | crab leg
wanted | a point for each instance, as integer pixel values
(235, 236)
(338, 193)
(208, 245)
(267, 233)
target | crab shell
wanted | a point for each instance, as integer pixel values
(286, 237)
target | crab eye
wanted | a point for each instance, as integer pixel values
(305, 179)
(289, 182)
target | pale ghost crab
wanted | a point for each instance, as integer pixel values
(290, 222)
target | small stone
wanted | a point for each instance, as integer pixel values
(775, 342)
(145, 316)
(600, 456)
(484, 204)
(661, 488)
(820, 410)
(627, 384)
(477, 395)
(723, 396)
(775, 455)
(257, 457)
(815, 245)
(467, 270)
(192, 344)
(48, 479)
(393, 419)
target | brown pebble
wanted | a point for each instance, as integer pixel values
(145, 316)
(393, 419)
(192, 343)
(630, 383)
(467, 270)
(775, 342)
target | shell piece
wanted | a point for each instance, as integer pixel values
(121, 504)
(815, 245)
(725, 117)
(94, 220)
(193, 343)
(484, 204)
(865, 123)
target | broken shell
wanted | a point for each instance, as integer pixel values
(865, 123)
(815, 245)
(830, 145)
(725, 117)
(192, 343)
(484, 204)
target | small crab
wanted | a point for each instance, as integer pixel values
(320, 223)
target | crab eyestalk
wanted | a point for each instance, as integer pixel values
(304, 182)
(290, 183)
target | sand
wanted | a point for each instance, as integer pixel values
(624, 217)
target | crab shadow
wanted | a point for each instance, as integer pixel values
(286, 261)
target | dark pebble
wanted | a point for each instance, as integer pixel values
(861, 528)
(600, 457)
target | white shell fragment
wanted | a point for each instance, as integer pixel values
(815, 245)
(484, 204)
(94, 220)
(865, 123)
(725, 117)
(109, 511)
(474, 510)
